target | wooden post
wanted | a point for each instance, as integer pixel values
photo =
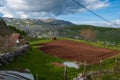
(36, 76)
(65, 73)
(85, 67)
(116, 65)
(100, 66)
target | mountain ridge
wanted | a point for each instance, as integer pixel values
(45, 22)
(34, 29)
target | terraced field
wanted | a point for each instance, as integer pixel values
(77, 51)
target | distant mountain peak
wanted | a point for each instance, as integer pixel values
(48, 20)
(41, 22)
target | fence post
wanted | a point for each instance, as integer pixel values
(36, 76)
(116, 65)
(65, 73)
(85, 67)
(100, 66)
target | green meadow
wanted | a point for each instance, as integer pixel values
(40, 63)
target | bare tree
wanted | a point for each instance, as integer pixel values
(6, 43)
(88, 34)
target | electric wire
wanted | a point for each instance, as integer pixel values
(95, 13)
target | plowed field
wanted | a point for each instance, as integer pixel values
(77, 51)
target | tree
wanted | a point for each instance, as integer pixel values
(17, 30)
(88, 34)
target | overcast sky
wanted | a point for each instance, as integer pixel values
(63, 9)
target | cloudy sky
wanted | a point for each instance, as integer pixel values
(63, 9)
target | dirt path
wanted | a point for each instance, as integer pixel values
(77, 51)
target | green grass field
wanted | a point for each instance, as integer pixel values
(39, 64)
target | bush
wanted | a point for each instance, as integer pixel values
(17, 30)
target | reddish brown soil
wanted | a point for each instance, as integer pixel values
(77, 51)
(58, 64)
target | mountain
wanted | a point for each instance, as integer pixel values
(47, 28)
(36, 27)
(4, 29)
(41, 22)
(6, 32)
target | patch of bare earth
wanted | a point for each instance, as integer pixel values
(58, 64)
(77, 51)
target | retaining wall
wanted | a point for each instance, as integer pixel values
(8, 57)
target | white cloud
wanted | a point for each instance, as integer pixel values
(114, 23)
(117, 22)
(96, 4)
(2, 3)
(46, 8)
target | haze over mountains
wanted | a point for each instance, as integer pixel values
(36, 27)
(42, 22)
(47, 28)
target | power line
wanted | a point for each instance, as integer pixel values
(95, 13)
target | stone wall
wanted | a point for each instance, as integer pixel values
(8, 57)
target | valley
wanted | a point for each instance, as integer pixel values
(46, 57)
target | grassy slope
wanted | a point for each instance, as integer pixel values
(40, 63)
(7, 30)
(103, 33)
(98, 44)
(4, 29)
(108, 64)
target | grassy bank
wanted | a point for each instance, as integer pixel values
(40, 64)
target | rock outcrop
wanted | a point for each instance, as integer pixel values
(8, 57)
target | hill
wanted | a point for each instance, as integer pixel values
(40, 22)
(34, 27)
(4, 29)
(6, 33)
(102, 33)
(47, 28)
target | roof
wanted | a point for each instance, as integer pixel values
(15, 75)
